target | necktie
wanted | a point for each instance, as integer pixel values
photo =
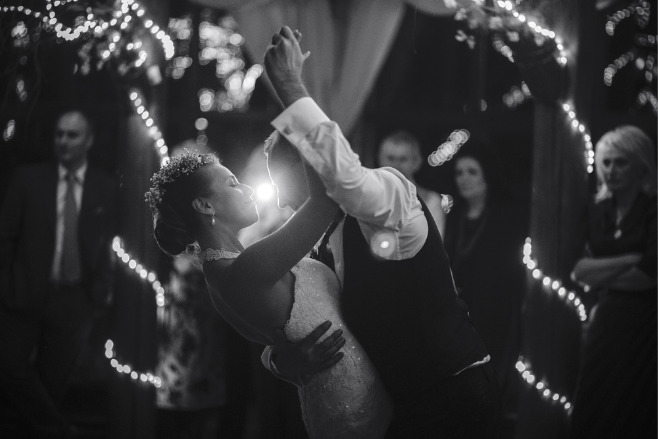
(70, 264)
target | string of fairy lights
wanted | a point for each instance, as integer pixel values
(550, 285)
(583, 132)
(152, 129)
(639, 9)
(162, 150)
(94, 25)
(129, 10)
(562, 59)
(553, 285)
(523, 367)
(140, 270)
(144, 377)
(148, 276)
(115, 33)
(642, 54)
(507, 11)
(539, 30)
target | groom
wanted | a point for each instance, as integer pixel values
(398, 295)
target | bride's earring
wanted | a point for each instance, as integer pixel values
(212, 220)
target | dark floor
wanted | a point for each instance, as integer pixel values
(84, 406)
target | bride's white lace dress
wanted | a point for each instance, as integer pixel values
(347, 400)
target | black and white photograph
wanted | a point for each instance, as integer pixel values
(328, 219)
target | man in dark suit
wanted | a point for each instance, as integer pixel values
(56, 269)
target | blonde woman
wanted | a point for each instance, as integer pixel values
(616, 391)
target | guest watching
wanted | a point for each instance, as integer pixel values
(484, 240)
(56, 226)
(200, 392)
(616, 389)
(401, 151)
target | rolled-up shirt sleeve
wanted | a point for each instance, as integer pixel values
(381, 199)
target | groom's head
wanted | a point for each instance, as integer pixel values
(286, 171)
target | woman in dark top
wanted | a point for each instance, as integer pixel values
(616, 391)
(484, 241)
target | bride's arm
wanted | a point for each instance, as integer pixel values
(277, 253)
(258, 285)
(240, 323)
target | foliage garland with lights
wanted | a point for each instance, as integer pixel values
(110, 34)
(112, 38)
(641, 54)
(507, 27)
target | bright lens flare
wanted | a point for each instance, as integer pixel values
(382, 244)
(264, 192)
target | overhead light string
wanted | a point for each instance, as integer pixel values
(161, 148)
(505, 21)
(93, 23)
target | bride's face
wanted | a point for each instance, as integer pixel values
(233, 201)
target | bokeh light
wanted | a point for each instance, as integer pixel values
(265, 192)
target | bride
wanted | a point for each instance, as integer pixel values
(271, 286)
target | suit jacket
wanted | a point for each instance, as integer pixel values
(27, 235)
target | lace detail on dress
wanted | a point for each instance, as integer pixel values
(210, 254)
(347, 401)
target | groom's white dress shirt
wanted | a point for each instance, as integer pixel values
(382, 200)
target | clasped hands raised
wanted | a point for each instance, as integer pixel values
(284, 61)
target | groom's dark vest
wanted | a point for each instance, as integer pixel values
(406, 314)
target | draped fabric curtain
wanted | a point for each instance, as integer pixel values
(349, 41)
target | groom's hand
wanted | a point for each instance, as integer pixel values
(297, 362)
(283, 63)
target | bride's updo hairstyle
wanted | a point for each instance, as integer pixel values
(173, 188)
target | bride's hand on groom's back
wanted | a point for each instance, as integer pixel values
(298, 361)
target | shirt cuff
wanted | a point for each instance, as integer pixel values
(296, 121)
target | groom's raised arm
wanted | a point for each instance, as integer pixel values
(380, 198)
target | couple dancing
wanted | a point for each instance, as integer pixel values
(405, 361)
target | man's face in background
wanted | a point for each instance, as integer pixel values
(72, 140)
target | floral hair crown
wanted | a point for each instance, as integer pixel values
(177, 167)
(270, 142)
